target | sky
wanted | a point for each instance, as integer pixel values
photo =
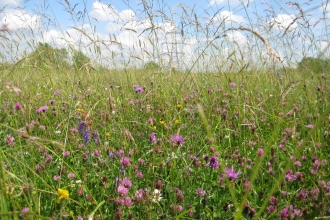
(193, 31)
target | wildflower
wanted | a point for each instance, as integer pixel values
(56, 178)
(86, 136)
(177, 121)
(96, 153)
(82, 126)
(179, 106)
(62, 195)
(159, 184)
(310, 126)
(51, 101)
(231, 173)
(176, 208)
(201, 192)
(127, 201)
(260, 152)
(271, 209)
(289, 176)
(57, 92)
(74, 130)
(125, 161)
(138, 88)
(42, 109)
(214, 163)
(107, 134)
(9, 140)
(127, 183)
(66, 153)
(80, 110)
(232, 84)
(122, 190)
(157, 196)
(179, 140)
(71, 175)
(18, 106)
(139, 175)
(153, 137)
(25, 210)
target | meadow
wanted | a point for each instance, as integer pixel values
(79, 141)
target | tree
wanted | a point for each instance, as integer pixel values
(314, 65)
(152, 66)
(45, 55)
(80, 60)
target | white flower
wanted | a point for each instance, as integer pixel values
(157, 196)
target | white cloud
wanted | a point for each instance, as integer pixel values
(20, 19)
(9, 2)
(237, 36)
(227, 16)
(104, 12)
(283, 21)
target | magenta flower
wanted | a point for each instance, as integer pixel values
(138, 88)
(127, 201)
(179, 140)
(25, 210)
(42, 109)
(18, 106)
(232, 84)
(57, 92)
(231, 173)
(153, 137)
(201, 192)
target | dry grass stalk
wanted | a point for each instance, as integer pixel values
(269, 48)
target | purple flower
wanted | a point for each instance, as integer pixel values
(231, 173)
(125, 161)
(81, 126)
(86, 136)
(122, 190)
(278, 74)
(138, 88)
(214, 163)
(179, 140)
(42, 109)
(127, 201)
(57, 92)
(153, 137)
(289, 176)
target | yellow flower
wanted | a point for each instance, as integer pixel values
(62, 194)
(177, 121)
(163, 122)
(179, 106)
(80, 110)
(107, 134)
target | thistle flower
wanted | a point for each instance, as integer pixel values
(231, 173)
(62, 195)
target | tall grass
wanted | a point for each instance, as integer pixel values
(187, 120)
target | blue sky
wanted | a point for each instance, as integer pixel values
(126, 24)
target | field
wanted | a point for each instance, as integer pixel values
(79, 141)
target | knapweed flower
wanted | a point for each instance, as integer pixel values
(178, 139)
(138, 88)
(214, 163)
(231, 173)
(157, 196)
(42, 109)
(62, 195)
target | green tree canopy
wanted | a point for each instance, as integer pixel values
(45, 55)
(80, 59)
(314, 65)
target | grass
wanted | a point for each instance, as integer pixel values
(220, 136)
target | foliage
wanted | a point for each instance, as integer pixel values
(151, 65)
(80, 59)
(314, 65)
(45, 56)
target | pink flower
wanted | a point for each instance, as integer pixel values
(9, 140)
(42, 109)
(260, 152)
(231, 173)
(122, 190)
(18, 106)
(57, 178)
(201, 192)
(57, 92)
(125, 161)
(66, 153)
(127, 201)
(71, 175)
